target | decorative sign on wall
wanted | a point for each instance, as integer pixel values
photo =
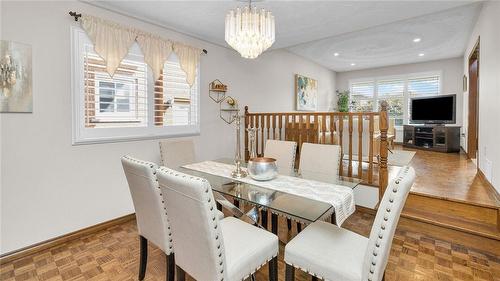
(306, 92)
(15, 77)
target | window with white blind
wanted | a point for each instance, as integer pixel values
(362, 96)
(421, 86)
(130, 105)
(392, 91)
(397, 91)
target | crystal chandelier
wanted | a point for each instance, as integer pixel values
(250, 31)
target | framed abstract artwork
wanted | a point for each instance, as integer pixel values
(15, 77)
(306, 93)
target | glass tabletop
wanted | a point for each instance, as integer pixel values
(290, 205)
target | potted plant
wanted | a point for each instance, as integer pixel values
(343, 100)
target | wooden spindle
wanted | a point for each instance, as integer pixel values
(349, 167)
(247, 153)
(360, 145)
(308, 128)
(262, 125)
(257, 128)
(268, 124)
(383, 172)
(323, 128)
(370, 153)
(332, 128)
(273, 123)
(341, 130)
(280, 124)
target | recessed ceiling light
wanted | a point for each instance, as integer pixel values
(335, 54)
(421, 54)
(416, 40)
(353, 64)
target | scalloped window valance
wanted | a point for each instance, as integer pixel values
(112, 42)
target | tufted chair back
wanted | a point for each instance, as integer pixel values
(152, 220)
(384, 226)
(195, 224)
(284, 153)
(320, 161)
(176, 153)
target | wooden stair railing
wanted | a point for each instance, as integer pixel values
(328, 128)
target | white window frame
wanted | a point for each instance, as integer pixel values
(83, 135)
(109, 116)
(406, 97)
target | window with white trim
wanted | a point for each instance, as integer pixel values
(392, 91)
(362, 96)
(397, 91)
(130, 105)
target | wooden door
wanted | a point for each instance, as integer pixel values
(472, 130)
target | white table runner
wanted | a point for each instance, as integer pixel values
(340, 197)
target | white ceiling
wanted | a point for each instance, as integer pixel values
(443, 35)
(369, 33)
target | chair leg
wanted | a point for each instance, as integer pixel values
(289, 224)
(273, 269)
(181, 275)
(171, 267)
(263, 216)
(143, 260)
(333, 219)
(299, 227)
(274, 223)
(289, 273)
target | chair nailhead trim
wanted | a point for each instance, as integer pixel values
(154, 169)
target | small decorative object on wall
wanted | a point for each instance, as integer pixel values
(343, 100)
(15, 77)
(306, 91)
(228, 109)
(464, 83)
(217, 90)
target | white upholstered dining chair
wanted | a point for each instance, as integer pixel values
(332, 253)
(320, 162)
(284, 153)
(208, 248)
(152, 220)
(176, 153)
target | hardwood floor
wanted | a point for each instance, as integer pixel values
(451, 176)
(113, 254)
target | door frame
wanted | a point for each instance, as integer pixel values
(473, 55)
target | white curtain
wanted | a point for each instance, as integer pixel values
(188, 59)
(156, 51)
(113, 41)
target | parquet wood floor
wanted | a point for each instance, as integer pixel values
(113, 254)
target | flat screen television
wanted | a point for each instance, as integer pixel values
(433, 110)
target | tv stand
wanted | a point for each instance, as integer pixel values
(432, 137)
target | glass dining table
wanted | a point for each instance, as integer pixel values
(295, 207)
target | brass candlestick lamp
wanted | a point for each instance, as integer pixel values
(230, 112)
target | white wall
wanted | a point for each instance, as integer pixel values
(489, 89)
(50, 187)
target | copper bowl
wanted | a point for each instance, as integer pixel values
(262, 168)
